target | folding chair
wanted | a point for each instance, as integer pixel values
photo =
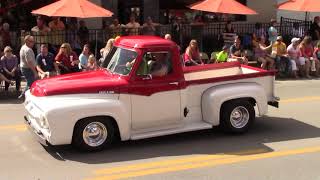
(204, 57)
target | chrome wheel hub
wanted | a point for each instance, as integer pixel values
(239, 117)
(95, 134)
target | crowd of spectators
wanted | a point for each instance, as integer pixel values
(42, 65)
(268, 49)
(45, 53)
(55, 31)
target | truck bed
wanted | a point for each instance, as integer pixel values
(200, 78)
(222, 72)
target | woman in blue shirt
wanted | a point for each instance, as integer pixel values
(272, 32)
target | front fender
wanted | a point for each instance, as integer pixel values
(214, 97)
(62, 120)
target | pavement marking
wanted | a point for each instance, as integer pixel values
(206, 163)
(171, 162)
(17, 127)
(302, 99)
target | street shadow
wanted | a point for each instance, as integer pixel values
(206, 142)
(10, 97)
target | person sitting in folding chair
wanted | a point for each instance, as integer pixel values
(9, 69)
(236, 52)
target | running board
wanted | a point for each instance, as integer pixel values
(186, 128)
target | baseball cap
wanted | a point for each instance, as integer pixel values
(294, 40)
(279, 38)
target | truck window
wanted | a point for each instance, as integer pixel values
(121, 61)
(158, 64)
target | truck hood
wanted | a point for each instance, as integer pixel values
(79, 83)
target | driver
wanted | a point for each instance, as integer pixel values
(158, 66)
(143, 67)
(129, 65)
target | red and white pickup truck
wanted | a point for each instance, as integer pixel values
(145, 92)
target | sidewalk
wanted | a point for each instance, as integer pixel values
(11, 94)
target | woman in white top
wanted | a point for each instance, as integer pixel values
(294, 54)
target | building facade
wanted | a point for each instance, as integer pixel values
(267, 10)
(159, 10)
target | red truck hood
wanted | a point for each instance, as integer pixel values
(86, 82)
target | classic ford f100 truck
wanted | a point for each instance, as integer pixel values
(145, 91)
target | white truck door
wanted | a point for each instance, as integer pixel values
(156, 98)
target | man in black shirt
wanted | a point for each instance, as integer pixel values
(46, 66)
(236, 52)
(315, 29)
(83, 33)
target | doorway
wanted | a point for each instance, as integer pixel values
(126, 8)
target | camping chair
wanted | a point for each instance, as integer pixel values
(213, 57)
(204, 58)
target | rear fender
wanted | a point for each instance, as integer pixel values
(214, 97)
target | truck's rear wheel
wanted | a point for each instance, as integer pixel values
(93, 134)
(237, 116)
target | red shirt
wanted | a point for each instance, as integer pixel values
(195, 55)
(66, 60)
(307, 51)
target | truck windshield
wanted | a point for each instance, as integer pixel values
(121, 60)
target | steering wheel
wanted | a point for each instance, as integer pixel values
(126, 70)
(123, 69)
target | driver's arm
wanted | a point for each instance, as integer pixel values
(130, 64)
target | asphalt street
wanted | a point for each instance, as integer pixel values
(284, 144)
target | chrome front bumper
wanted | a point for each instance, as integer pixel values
(36, 133)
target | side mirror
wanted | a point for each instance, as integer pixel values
(147, 77)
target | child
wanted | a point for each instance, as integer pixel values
(92, 65)
(223, 55)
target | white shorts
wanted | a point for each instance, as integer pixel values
(302, 61)
(293, 65)
(232, 60)
(313, 65)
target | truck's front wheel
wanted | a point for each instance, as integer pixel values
(237, 116)
(93, 134)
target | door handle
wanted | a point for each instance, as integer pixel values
(174, 83)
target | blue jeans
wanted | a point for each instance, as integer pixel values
(28, 74)
(283, 64)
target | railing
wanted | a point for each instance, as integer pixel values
(208, 35)
(294, 28)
